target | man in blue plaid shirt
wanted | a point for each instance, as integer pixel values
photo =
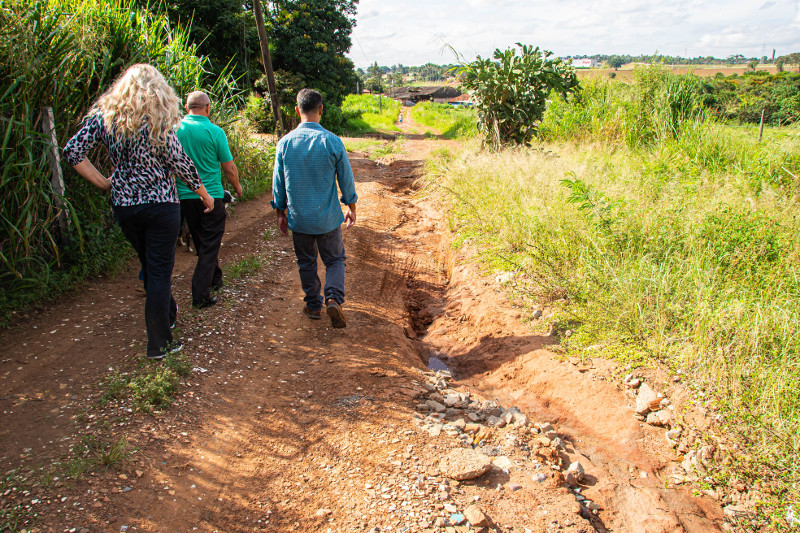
(309, 162)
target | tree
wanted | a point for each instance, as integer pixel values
(375, 80)
(511, 91)
(224, 31)
(615, 62)
(752, 65)
(310, 39)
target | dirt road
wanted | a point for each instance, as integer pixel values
(286, 424)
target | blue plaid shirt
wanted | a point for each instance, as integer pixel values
(309, 161)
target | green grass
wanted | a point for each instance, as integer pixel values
(361, 145)
(367, 113)
(677, 249)
(452, 122)
(246, 266)
(68, 52)
(148, 387)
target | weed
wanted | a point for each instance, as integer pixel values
(452, 122)
(246, 266)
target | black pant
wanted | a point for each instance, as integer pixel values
(207, 230)
(153, 229)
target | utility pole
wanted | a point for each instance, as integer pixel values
(265, 57)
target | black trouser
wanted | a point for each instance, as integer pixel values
(207, 230)
(153, 229)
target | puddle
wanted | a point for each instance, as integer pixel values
(437, 365)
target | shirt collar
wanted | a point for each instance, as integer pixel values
(312, 125)
(201, 118)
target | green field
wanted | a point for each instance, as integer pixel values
(662, 238)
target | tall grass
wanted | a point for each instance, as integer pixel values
(452, 122)
(63, 54)
(369, 113)
(661, 236)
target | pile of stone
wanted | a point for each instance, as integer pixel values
(651, 407)
(488, 434)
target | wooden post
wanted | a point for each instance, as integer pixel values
(761, 126)
(56, 178)
(265, 57)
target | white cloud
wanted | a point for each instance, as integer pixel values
(413, 32)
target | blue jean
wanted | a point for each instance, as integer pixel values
(152, 230)
(330, 248)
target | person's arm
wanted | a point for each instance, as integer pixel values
(232, 174)
(279, 192)
(182, 166)
(86, 169)
(79, 145)
(350, 216)
(344, 176)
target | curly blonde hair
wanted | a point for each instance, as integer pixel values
(141, 95)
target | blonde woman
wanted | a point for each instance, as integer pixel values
(135, 119)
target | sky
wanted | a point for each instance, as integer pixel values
(415, 32)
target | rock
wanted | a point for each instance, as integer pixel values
(736, 511)
(544, 427)
(472, 428)
(502, 462)
(512, 486)
(576, 471)
(463, 463)
(539, 478)
(495, 421)
(689, 462)
(552, 435)
(473, 417)
(659, 418)
(674, 434)
(792, 517)
(451, 400)
(459, 424)
(537, 314)
(435, 406)
(706, 455)
(457, 519)
(450, 508)
(475, 516)
(558, 443)
(592, 506)
(521, 420)
(323, 512)
(643, 398)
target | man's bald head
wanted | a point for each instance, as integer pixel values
(197, 102)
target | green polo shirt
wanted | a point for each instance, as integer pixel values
(207, 145)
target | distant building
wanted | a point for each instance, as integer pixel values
(465, 100)
(584, 62)
(440, 94)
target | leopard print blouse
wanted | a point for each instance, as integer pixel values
(141, 172)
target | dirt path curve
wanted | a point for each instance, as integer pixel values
(288, 425)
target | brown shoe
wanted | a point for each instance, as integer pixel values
(315, 315)
(336, 314)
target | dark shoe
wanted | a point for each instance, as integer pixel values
(202, 304)
(315, 315)
(174, 348)
(336, 314)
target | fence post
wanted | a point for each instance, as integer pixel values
(761, 126)
(56, 178)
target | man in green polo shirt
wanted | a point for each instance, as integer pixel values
(207, 145)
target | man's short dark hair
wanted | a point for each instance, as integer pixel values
(308, 100)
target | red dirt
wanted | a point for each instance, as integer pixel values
(289, 425)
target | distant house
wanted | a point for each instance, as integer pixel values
(464, 100)
(439, 94)
(584, 62)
